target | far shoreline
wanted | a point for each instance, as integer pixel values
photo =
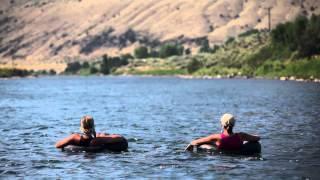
(191, 77)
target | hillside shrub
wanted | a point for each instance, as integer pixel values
(170, 49)
(141, 52)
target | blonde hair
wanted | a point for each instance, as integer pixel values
(228, 121)
(87, 126)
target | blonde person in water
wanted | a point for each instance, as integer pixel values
(89, 137)
(227, 140)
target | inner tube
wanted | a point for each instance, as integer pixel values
(114, 147)
(248, 148)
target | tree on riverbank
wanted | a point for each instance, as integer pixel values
(73, 67)
(6, 72)
(170, 49)
(165, 50)
(141, 52)
(109, 64)
(15, 72)
(106, 66)
(301, 35)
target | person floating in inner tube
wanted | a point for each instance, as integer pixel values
(227, 140)
(89, 137)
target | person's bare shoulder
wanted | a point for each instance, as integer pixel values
(75, 137)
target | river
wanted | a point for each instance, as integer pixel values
(159, 116)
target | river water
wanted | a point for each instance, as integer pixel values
(159, 116)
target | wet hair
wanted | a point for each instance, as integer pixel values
(229, 129)
(227, 122)
(87, 126)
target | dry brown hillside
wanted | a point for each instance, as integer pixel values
(44, 33)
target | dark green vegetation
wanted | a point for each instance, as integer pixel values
(291, 49)
(301, 36)
(110, 64)
(106, 65)
(14, 72)
(164, 51)
(168, 50)
(141, 52)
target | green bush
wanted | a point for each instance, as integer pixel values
(109, 64)
(187, 51)
(126, 57)
(216, 70)
(230, 40)
(248, 33)
(73, 67)
(170, 49)
(193, 65)
(160, 72)
(85, 64)
(269, 52)
(270, 67)
(154, 53)
(7, 72)
(52, 72)
(302, 68)
(93, 70)
(205, 47)
(141, 52)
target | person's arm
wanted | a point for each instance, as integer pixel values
(248, 137)
(67, 141)
(205, 140)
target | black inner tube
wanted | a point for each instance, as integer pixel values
(248, 148)
(114, 147)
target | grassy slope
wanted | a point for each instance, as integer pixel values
(231, 59)
(154, 66)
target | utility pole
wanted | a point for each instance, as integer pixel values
(269, 18)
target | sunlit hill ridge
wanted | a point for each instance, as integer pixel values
(45, 34)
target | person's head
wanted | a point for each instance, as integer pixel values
(87, 126)
(227, 122)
